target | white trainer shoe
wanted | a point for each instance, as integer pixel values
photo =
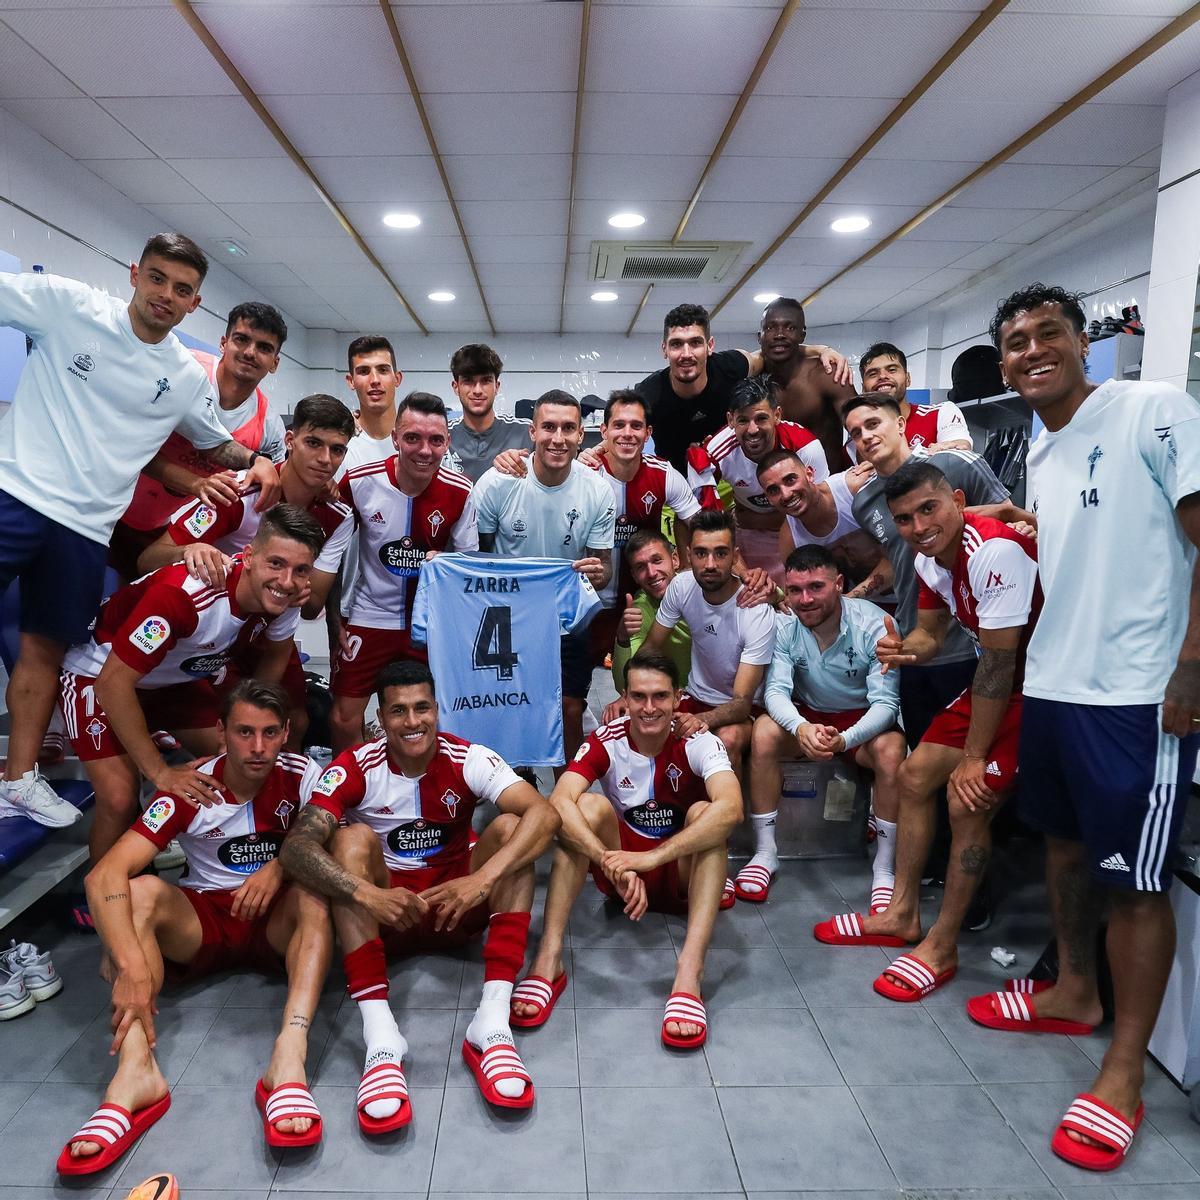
(35, 969)
(33, 794)
(14, 996)
(170, 856)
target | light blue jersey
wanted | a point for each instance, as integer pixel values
(492, 625)
(844, 678)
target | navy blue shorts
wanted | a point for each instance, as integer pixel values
(61, 572)
(576, 663)
(1107, 776)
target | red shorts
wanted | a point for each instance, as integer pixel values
(602, 633)
(664, 889)
(841, 721)
(370, 651)
(425, 938)
(226, 941)
(193, 705)
(949, 728)
(689, 704)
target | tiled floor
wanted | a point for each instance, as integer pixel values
(810, 1085)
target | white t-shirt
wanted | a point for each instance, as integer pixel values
(845, 525)
(94, 403)
(723, 637)
(1114, 561)
(531, 520)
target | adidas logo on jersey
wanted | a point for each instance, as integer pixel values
(710, 628)
(993, 768)
(213, 834)
(377, 517)
(1114, 863)
(385, 811)
(625, 783)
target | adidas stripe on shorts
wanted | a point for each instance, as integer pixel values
(1107, 776)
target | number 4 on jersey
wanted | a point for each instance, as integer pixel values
(495, 627)
(1089, 498)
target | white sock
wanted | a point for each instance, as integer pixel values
(883, 869)
(489, 1027)
(385, 1043)
(764, 837)
(761, 859)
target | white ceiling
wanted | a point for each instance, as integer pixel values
(128, 89)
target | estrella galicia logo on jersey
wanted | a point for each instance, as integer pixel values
(674, 775)
(652, 820)
(200, 520)
(330, 781)
(402, 557)
(150, 634)
(436, 521)
(623, 532)
(84, 362)
(418, 839)
(204, 665)
(245, 855)
(760, 502)
(1096, 455)
(158, 814)
(450, 800)
(164, 386)
(519, 527)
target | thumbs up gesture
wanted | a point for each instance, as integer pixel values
(631, 622)
(889, 650)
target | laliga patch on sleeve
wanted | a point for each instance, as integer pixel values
(331, 780)
(150, 634)
(200, 520)
(158, 814)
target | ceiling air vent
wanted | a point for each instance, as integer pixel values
(653, 262)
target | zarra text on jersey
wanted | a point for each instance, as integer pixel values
(490, 583)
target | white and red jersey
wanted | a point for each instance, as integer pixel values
(639, 504)
(228, 841)
(422, 822)
(650, 795)
(722, 457)
(172, 628)
(232, 527)
(993, 583)
(395, 533)
(928, 424)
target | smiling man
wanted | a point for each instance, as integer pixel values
(884, 371)
(156, 646)
(481, 433)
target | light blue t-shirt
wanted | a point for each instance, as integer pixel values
(847, 676)
(531, 520)
(492, 625)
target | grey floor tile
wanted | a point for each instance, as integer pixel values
(873, 1194)
(791, 915)
(549, 1054)
(661, 1195)
(231, 1154)
(994, 1056)
(77, 960)
(695, 1157)
(769, 1048)
(947, 1137)
(1168, 1110)
(838, 976)
(1134, 1191)
(31, 1141)
(237, 1048)
(211, 992)
(1034, 1111)
(752, 978)
(81, 1191)
(633, 978)
(428, 1031)
(376, 1193)
(261, 989)
(30, 1046)
(802, 1138)
(740, 927)
(12, 1096)
(485, 1150)
(191, 1193)
(425, 981)
(899, 1047)
(346, 1160)
(1095, 1045)
(623, 1048)
(597, 922)
(506, 1195)
(179, 1032)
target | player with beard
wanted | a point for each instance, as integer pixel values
(480, 433)
(884, 371)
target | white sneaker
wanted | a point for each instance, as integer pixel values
(171, 855)
(14, 996)
(35, 969)
(33, 794)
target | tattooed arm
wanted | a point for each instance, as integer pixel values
(991, 691)
(260, 470)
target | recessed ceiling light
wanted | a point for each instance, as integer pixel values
(398, 220)
(626, 220)
(850, 224)
(766, 297)
(441, 297)
(604, 297)
(232, 248)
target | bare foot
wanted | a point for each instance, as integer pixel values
(690, 982)
(894, 923)
(546, 968)
(935, 956)
(1119, 1090)
(137, 1084)
(1065, 1004)
(287, 1066)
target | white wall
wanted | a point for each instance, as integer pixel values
(1176, 257)
(59, 191)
